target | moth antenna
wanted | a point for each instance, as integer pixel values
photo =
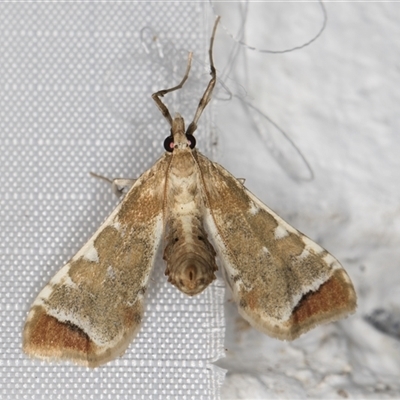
(157, 95)
(210, 87)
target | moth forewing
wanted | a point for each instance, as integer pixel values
(283, 282)
(93, 307)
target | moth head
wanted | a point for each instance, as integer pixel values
(178, 138)
(191, 275)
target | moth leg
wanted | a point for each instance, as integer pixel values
(241, 180)
(156, 96)
(119, 185)
(210, 87)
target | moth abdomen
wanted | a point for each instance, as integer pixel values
(189, 255)
(191, 274)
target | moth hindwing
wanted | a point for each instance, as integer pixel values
(283, 283)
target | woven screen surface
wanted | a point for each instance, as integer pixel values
(76, 82)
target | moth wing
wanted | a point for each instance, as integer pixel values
(93, 307)
(283, 283)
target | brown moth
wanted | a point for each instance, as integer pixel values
(283, 283)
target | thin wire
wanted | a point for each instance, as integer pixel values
(324, 23)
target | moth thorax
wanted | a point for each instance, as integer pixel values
(191, 273)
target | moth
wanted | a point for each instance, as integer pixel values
(284, 284)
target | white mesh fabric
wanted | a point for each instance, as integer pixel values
(75, 97)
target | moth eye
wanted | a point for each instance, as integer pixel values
(169, 144)
(200, 237)
(192, 141)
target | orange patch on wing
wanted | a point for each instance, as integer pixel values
(46, 337)
(331, 301)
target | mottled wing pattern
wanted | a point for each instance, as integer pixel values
(283, 282)
(93, 307)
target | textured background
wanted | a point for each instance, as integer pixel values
(75, 97)
(338, 99)
(76, 84)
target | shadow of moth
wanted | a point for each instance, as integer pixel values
(284, 284)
